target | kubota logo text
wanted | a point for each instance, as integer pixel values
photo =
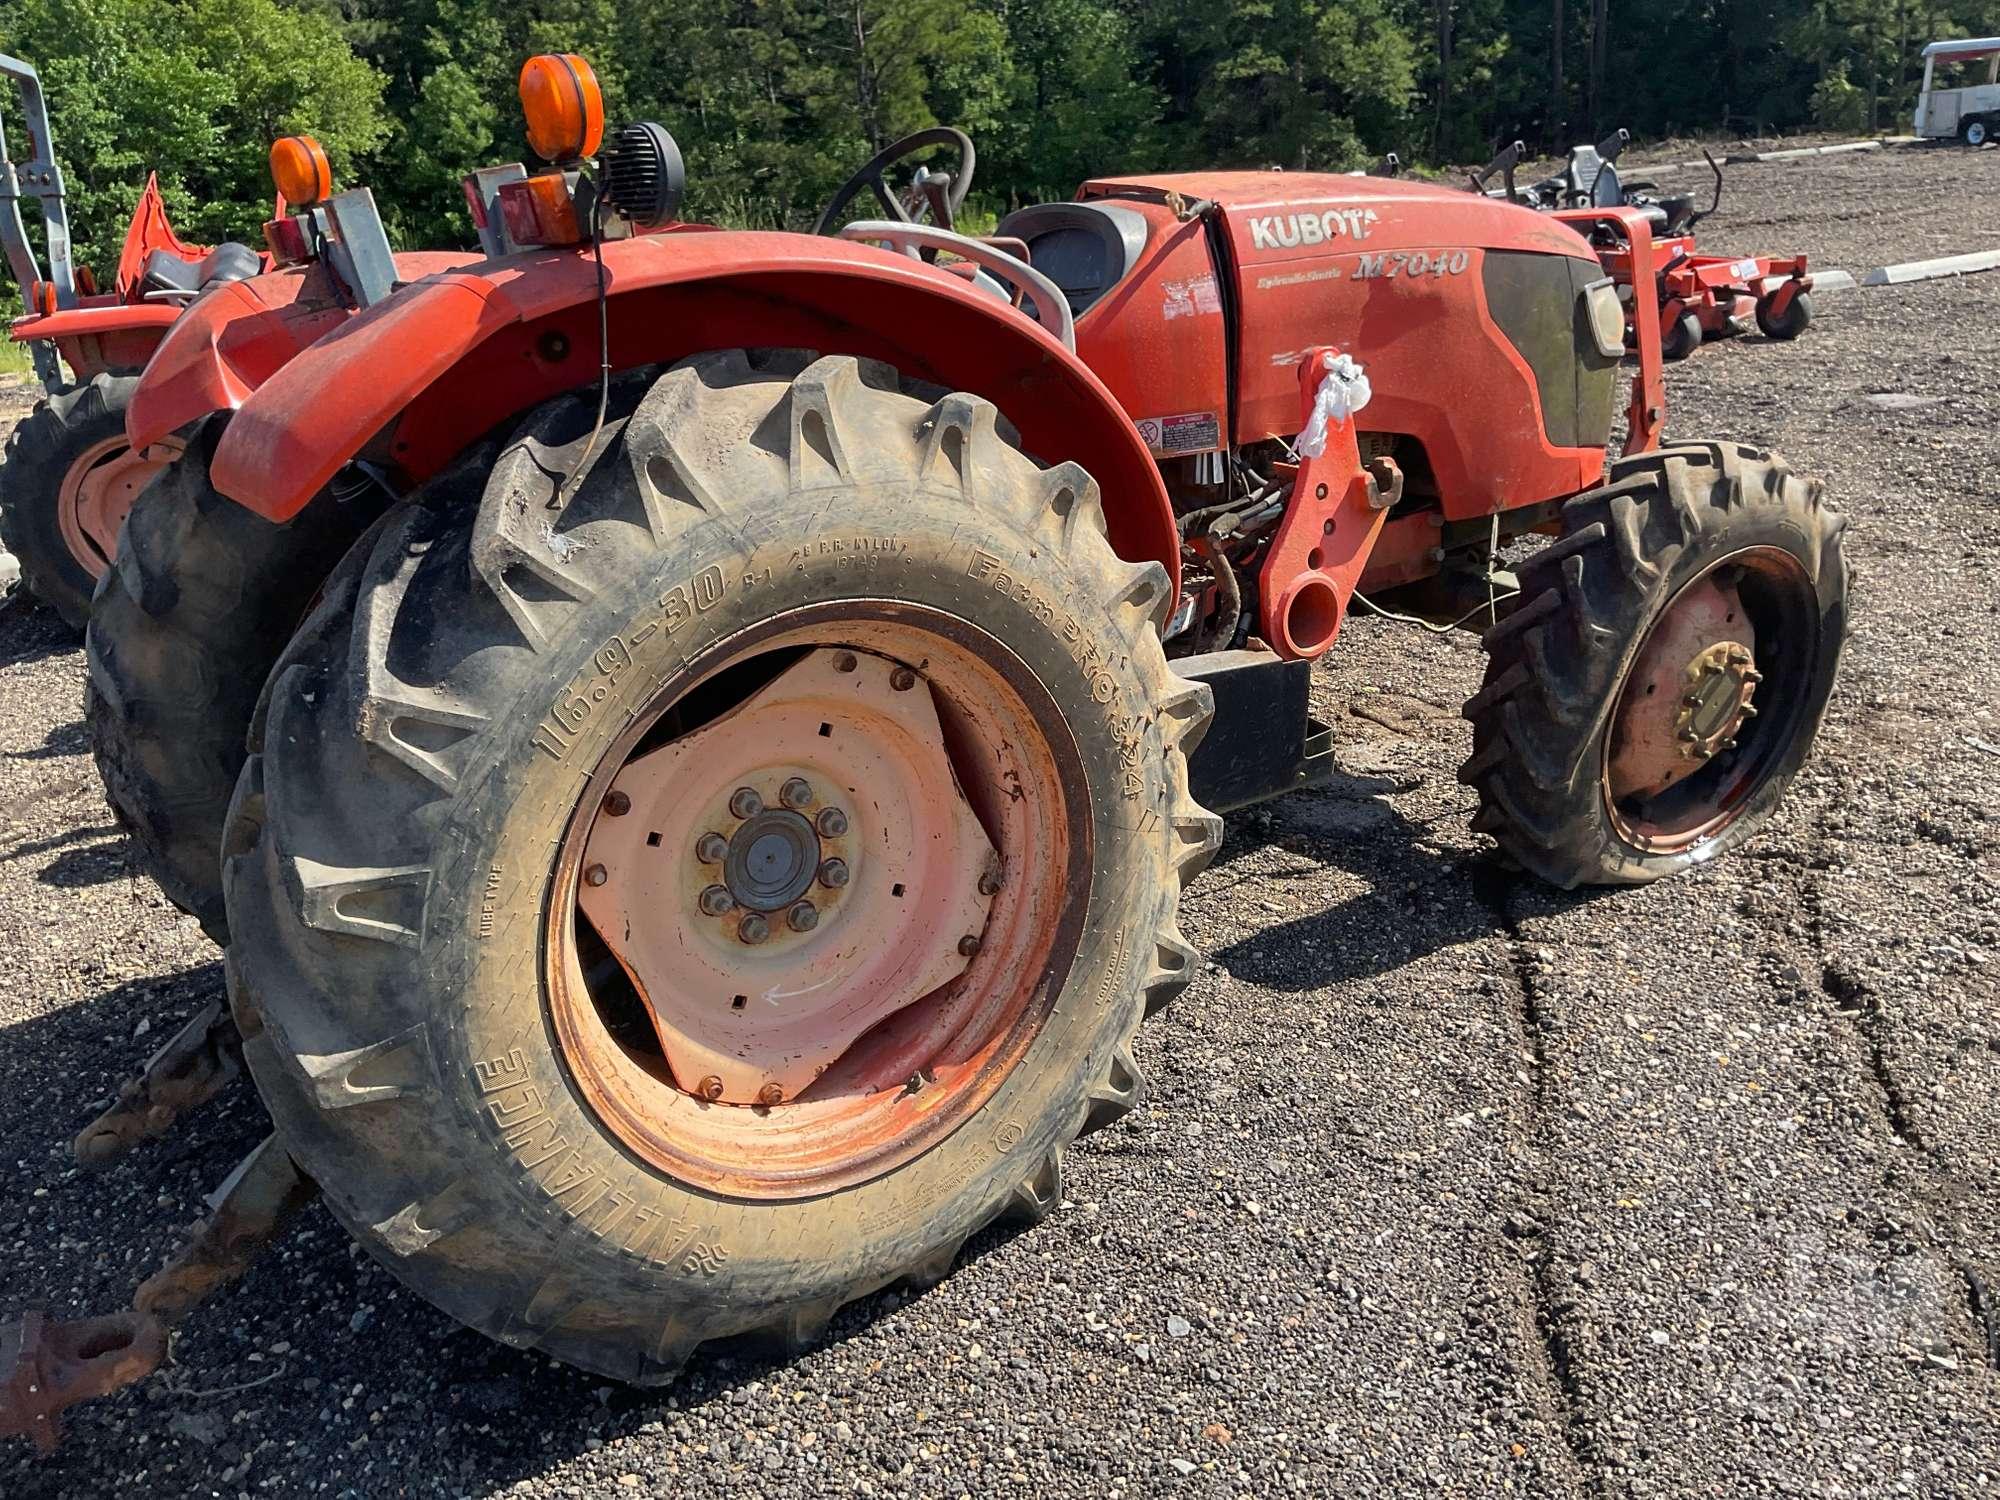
(1289, 231)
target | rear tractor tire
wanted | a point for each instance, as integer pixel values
(678, 909)
(66, 482)
(1648, 703)
(184, 630)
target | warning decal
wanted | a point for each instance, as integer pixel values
(1191, 432)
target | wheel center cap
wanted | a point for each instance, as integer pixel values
(772, 860)
(1720, 684)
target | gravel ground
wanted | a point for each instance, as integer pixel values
(1446, 1181)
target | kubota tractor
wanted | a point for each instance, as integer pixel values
(711, 844)
(69, 476)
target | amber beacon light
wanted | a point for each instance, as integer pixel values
(299, 170)
(563, 105)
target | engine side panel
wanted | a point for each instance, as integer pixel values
(1402, 285)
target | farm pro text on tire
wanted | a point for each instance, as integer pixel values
(184, 630)
(682, 907)
(1648, 702)
(66, 483)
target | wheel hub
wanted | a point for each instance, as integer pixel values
(790, 875)
(1690, 692)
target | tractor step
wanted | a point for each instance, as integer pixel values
(1263, 742)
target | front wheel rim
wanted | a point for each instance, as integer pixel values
(941, 969)
(1711, 708)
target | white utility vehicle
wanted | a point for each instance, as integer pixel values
(1966, 102)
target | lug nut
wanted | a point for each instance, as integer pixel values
(833, 874)
(715, 901)
(803, 918)
(902, 679)
(989, 883)
(831, 823)
(596, 875)
(617, 804)
(796, 793)
(845, 662)
(769, 1094)
(968, 946)
(745, 803)
(710, 1088)
(711, 848)
(753, 928)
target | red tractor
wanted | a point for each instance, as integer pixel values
(180, 638)
(710, 845)
(1696, 296)
(69, 476)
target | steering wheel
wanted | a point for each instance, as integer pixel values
(942, 193)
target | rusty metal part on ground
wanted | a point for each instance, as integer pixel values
(201, 1059)
(47, 1367)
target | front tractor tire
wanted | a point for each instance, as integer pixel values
(66, 481)
(185, 628)
(1664, 676)
(679, 906)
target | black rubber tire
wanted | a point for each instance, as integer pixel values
(1978, 126)
(1556, 665)
(43, 446)
(184, 630)
(1797, 317)
(1680, 339)
(393, 835)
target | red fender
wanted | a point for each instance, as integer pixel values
(416, 379)
(236, 336)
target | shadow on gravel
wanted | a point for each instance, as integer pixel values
(68, 739)
(28, 848)
(97, 865)
(309, 1374)
(30, 633)
(1421, 898)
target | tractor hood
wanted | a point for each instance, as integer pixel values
(1282, 211)
(1202, 333)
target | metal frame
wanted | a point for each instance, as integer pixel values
(1051, 306)
(40, 178)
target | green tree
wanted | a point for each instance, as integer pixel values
(195, 90)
